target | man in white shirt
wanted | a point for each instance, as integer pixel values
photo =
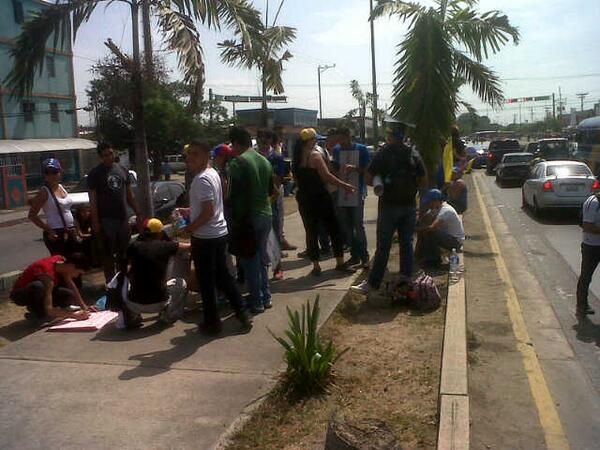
(208, 228)
(590, 251)
(446, 230)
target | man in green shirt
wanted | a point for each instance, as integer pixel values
(250, 186)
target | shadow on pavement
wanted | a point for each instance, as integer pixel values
(559, 217)
(471, 254)
(295, 264)
(308, 282)
(17, 330)
(587, 331)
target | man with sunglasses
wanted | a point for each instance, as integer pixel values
(110, 193)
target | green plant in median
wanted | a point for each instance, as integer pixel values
(309, 362)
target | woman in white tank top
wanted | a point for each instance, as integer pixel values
(59, 228)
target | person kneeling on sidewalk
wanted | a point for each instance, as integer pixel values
(48, 288)
(149, 290)
(446, 231)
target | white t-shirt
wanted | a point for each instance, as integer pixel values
(591, 214)
(207, 186)
(452, 224)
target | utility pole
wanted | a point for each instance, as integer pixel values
(320, 70)
(210, 106)
(553, 107)
(141, 149)
(149, 62)
(560, 105)
(531, 109)
(374, 79)
(581, 97)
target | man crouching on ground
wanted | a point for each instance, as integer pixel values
(446, 230)
(48, 286)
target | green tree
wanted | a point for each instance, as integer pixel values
(267, 54)
(176, 21)
(444, 47)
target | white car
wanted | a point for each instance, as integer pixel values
(558, 184)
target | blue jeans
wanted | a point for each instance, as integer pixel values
(351, 219)
(277, 210)
(432, 243)
(390, 220)
(255, 268)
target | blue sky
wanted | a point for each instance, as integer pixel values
(560, 46)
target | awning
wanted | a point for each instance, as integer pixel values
(21, 146)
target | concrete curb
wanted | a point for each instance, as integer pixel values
(453, 430)
(8, 279)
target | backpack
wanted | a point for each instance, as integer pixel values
(426, 295)
(400, 177)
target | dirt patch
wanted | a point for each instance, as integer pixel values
(391, 372)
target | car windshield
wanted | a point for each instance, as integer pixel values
(517, 159)
(571, 170)
(554, 147)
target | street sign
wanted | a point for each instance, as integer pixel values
(529, 99)
(250, 99)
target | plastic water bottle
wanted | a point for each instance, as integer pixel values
(454, 266)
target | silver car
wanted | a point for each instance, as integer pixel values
(558, 184)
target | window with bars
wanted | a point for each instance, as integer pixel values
(18, 11)
(51, 66)
(54, 112)
(28, 110)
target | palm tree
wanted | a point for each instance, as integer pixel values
(177, 21)
(365, 100)
(443, 49)
(267, 54)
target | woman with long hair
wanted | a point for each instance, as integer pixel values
(59, 236)
(314, 201)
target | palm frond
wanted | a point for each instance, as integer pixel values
(484, 82)
(241, 17)
(357, 92)
(424, 84)
(182, 36)
(278, 37)
(405, 10)
(234, 54)
(29, 49)
(481, 34)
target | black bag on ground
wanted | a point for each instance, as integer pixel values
(114, 295)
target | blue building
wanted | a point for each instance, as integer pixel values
(44, 124)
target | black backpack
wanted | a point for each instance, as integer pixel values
(399, 174)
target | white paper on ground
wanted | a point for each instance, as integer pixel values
(95, 322)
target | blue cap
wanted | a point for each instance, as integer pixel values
(51, 163)
(432, 195)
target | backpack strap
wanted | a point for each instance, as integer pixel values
(58, 208)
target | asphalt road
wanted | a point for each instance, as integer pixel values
(20, 245)
(548, 251)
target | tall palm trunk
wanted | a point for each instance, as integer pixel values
(264, 112)
(144, 197)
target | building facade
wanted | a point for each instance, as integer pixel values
(44, 124)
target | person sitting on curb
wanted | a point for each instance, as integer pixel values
(150, 293)
(458, 192)
(446, 230)
(47, 288)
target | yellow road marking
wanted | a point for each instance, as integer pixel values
(549, 419)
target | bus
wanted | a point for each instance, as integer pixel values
(588, 143)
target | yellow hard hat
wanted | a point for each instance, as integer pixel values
(154, 225)
(186, 149)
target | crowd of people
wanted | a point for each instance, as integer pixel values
(236, 208)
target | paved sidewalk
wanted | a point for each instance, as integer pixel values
(154, 388)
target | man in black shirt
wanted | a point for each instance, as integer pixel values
(110, 193)
(149, 292)
(400, 171)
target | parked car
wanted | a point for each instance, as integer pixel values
(497, 150)
(166, 196)
(176, 162)
(558, 184)
(532, 147)
(513, 167)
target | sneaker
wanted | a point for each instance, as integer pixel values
(278, 275)
(362, 288)
(268, 304)
(345, 268)
(303, 254)
(244, 318)
(352, 262)
(257, 309)
(287, 246)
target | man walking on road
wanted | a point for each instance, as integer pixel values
(402, 172)
(250, 186)
(590, 251)
(351, 161)
(110, 193)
